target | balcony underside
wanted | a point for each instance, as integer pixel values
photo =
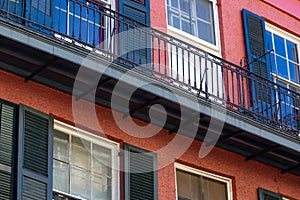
(36, 57)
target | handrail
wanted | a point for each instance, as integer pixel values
(94, 27)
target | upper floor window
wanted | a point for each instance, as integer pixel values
(269, 195)
(195, 17)
(193, 184)
(285, 58)
(84, 166)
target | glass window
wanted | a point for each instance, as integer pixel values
(284, 60)
(195, 17)
(83, 167)
(269, 195)
(42, 5)
(82, 20)
(192, 184)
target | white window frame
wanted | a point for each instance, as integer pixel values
(225, 180)
(209, 47)
(276, 78)
(275, 30)
(114, 146)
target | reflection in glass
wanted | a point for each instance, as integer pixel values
(80, 153)
(80, 182)
(61, 176)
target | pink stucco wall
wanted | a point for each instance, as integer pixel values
(291, 7)
(158, 14)
(246, 176)
(231, 25)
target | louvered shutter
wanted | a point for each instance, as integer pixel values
(268, 195)
(135, 42)
(7, 149)
(254, 29)
(34, 155)
(140, 174)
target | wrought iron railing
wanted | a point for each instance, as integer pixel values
(94, 27)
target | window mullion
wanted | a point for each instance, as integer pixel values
(191, 14)
(70, 164)
(287, 59)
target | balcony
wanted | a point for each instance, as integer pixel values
(50, 45)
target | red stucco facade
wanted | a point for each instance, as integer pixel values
(246, 176)
(232, 40)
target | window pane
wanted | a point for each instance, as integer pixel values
(279, 45)
(213, 189)
(174, 3)
(102, 160)
(269, 40)
(80, 182)
(185, 6)
(196, 187)
(173, 19)
(205, 32)
(80, 153)
(292, 51)
(61, 146)
(61, 176)
(204, 10)
(294, 72)
(186, 26)
(42, 5)
(183, 185)
(271, 60)
(282, 67)
(101, 187)
(176, 22)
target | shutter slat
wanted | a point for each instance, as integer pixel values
(35, 148)
(6, 134)
(256, 48)
(34, 190)
(7, 148)
(134, 42)
(5, 186)
(140, 174)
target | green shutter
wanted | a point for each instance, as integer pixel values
(140, 174)
(135, 45)
(35, 155)
(7, 148)
(268, 195)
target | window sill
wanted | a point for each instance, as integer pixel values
(211, 48)
(286, 81)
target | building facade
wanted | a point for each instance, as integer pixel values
(149, 99)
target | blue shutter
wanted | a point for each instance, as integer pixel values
(268, 195)
(254, 29)
(8, 114)
(34, 155)
(134, 47)
(140, 176)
